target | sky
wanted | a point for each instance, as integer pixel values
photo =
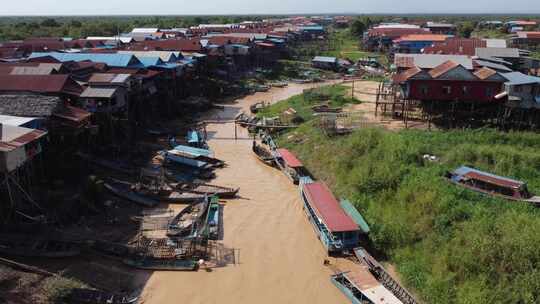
(222, 7)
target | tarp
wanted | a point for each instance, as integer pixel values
(355, 215)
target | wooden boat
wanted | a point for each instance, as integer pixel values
(208, 189)
(203, 155)
(336, 230)
(90, 296)
(213, 218)
(125, 190)
(263, 154)
(256, 107)
(279, 84)
(491, 184)
(24, 246)
(118, 166)
(184, 159)
(163, 264)
(112, 249)
(326, 109)
(182, 223)
(290, 165)
(182, 197)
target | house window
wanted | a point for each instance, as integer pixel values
(465, 90)
(447, 90)
(424, 90)
(489, 92)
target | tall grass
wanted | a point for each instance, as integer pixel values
(450, 244)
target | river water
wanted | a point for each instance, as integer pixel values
(278, 256)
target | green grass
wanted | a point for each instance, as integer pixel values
(449, 244)
(343, 44)
(489, 34)
(335, 95)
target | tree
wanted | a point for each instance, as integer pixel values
(358, 27)
(50, 22)
(465, 29)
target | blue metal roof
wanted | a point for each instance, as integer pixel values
(150, 61)
(112, 59)
(312, 28)
(518, 78)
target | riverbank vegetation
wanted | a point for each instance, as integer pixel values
(334, 96)
(449, 244)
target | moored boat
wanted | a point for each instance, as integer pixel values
(115, 165)
(263, 154)
(125, 190)
(90, 296)
(208, 189)
(291, 166)
(336, 230)
(183, 223)
(163, 264)
(491, 184)
(213, 218)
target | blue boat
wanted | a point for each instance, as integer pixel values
(195, 139)
(336, 230)
(185, 159)
(197, 152)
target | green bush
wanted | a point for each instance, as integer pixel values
(450, 244)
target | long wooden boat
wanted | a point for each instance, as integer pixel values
(183, 223)
(163, 264)
(203, 155)
(29, 247)
(291, 166)
(491, 184)
(213, 218)
(126, 191)
(361, 287)
(118, 166)
(208, 189)
(90, 296)
(263, 154)
(336, 230)
(112, 249)
(183, 159)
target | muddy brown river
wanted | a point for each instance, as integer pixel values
(278, 256)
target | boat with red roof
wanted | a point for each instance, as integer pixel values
(291, 165)
(336, 229)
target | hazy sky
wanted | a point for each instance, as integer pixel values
(179, 7)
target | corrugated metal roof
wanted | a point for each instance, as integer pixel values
(497, 52)
(406, 75)
(289, 158)
(443, 69)
(423, 37)
(13, 137)
(327, 207)
(15, 120)
(166, 56)
(492, 65)
(39, 84)
(495, 43)
(484, 73)
(111, 59)
(488, 177)
(518, 78)
(93, 92)
(430, 61)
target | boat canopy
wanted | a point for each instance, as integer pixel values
(355, 215)
(193, 137)
(289, 158)
(327, 208)
(197, 152)
(467, 172)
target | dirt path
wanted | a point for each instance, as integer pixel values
(280, 257)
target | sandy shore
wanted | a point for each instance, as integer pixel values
(279, 258)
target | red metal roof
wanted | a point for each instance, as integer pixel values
(73, 113)
(185, 45)
(39, 84)
(289, 158)
(494, 180)
(327, 208)
(395, 32)
(456, 46)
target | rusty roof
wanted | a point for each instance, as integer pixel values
(443, 69)
(72, 113)
(423, 37)
(456, 46)
(48, 84)
(484, 73)
(327, 208)
(406, 75)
